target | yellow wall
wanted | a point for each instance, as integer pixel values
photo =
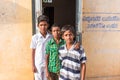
(102, 41)
(15, 36)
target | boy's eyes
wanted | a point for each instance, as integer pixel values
(56, 30)
(68, 34)
(43, 25)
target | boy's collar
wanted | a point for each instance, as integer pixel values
(47, 34)
(72, 47)
(53, 40)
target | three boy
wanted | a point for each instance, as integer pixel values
(52, 69)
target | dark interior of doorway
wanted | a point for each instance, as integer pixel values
(49, 11)
(61, 12)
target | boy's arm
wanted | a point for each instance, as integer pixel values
(83, 71)
(33, 61)
(47, 48)
(47, 61)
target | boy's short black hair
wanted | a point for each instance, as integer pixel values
(55, 25)
(43, 18)
(68, 27)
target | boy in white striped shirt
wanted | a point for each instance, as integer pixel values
(73, 61)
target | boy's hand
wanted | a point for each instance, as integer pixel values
(77, 45)
(34, 69)
(47, 74)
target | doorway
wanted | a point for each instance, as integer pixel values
(61, 12)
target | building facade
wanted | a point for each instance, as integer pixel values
(98, 21)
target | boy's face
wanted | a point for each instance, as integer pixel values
(68, 36)
(43, 25)
(56, 32)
